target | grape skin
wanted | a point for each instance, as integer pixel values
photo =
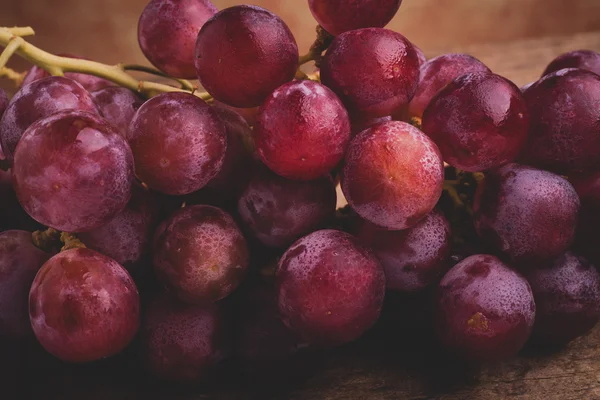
(117, 105)
(249, 39)
(582, 59)
(167, 32)
(38, 100)
(3, 102)
(73, 171)
(83, 306)
(587, 235)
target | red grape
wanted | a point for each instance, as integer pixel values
(302, 130)
(73, 171)
(20, 261)
(249, 114)
(479, 121)
(339, 16)
(181, 342)
(38, 100)
(83, 306)
(393, 175)
(565, 122)
(360, 124)
(420, 55)
(3, 102)
(330, 288)
(485, 310)
(437, 73)
(167, 32)
(200, 254)
(117, 105)
(413, 259)
(178, 143)
(528, 214)
(587, 236)
(567, 297)
(126, 238)
(583, 59)
(243, 53)
(278, 211)
(374, 71)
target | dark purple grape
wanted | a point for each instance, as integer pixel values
(20, 261)
(374, 71)
(330, 289)
(479, 121)
(181, 342)
(278, 211)
(3, 102)
(302, 130)
(12, 215)
(126, 238)
(249, 114)
(393, 175)
(528, 214)
(587, 236)
(567, 297)
(339, 16)
(413, 259)
(38, 100)
(527, 86)
(437, 73)
(118, 106)
(583, 59)
(200, 254)
(167, 32)
(178, 143)
(565, 122)
(485, 310)
(73, 171)
(243, 53)
(83, 306)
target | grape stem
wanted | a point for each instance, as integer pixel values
(16, 77)
(11, 40)
(185, 84)
(315, 53)
(51, 240)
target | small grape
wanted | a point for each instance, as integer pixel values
(393, 175)
(200, 254)
(567, 297)
(528, 214)
(249, 114)
(587, 235)
(302, 130)
(339, 16)
(479, 121)
(583, 59)
(72, 171)
(374, 71)
(83, 306)
(178, 143)
(118, 106)
(420, 55)
(38, 100)
(330, 288)
(167, 32)
(485, 310)
(243, 53)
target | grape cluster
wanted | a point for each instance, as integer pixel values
(211, 227)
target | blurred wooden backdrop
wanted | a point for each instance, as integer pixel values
(516, 38)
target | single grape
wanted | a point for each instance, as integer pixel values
(126, 238)
(437, 73)
(420, 54)
(73, 171)
(393, 175)
(485, 310)
(90, 83)
(528, 214)
(479, 121)
(330, 289)
(243, 53)
(374, 71)
(527, 86)
(339, 16)
(565, 122)
(38, 100)
(167, 32)
(3, 102)
(249, 114)
(413, 259)
(583, 59)
(20, 261)
(200, 254)
(278, 211)
(302, 130)
(178, 143)
(118, 106)
(567, 297)
(360, 123)
(587, 235)
(83, 306)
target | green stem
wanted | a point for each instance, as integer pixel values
(185, 84)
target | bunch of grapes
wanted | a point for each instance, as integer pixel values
(196, 231)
